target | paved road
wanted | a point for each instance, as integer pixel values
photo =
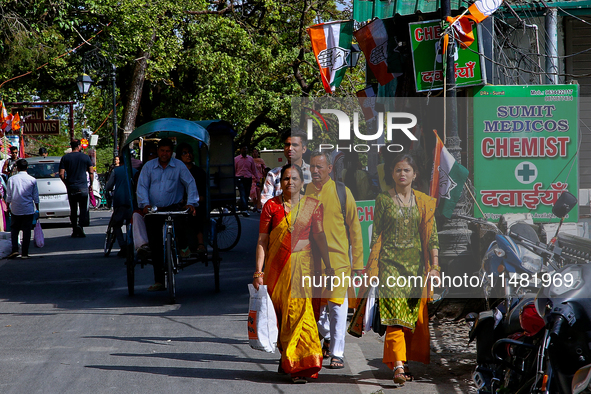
(67, 325)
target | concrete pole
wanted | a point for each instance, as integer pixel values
(551, 46)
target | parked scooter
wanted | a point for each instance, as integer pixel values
(510, 334)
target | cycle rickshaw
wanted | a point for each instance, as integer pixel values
(214, 154)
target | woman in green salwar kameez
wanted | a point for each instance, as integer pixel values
(404, 218)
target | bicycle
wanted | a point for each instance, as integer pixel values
(110, 236)
(171, 256)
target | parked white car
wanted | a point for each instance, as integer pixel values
(53, 196)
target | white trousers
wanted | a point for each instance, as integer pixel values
(333, 326)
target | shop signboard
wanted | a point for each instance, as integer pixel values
(525, 149)
(427, 58)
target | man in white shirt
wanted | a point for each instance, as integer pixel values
(295, 145)
(23, 199)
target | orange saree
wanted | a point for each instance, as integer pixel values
(298, 342)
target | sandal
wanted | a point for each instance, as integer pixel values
(299, 380)
(399, 378)
(337, 363)
(326, 349)
(409, 376)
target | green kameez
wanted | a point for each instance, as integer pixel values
(401, 259)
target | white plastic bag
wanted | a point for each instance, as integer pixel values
(370, 309)
(262, 320)
(38, 235)
(140, 234)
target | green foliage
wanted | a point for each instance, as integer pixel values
(206, 60)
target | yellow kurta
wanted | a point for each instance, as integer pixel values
(336, 234)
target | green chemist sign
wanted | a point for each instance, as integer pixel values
(525, 145)
(427, 59)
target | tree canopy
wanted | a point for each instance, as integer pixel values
(241, 62)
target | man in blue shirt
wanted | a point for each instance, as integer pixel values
(23, 197)
(162, 183)
(122, 207)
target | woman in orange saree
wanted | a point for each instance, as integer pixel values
(283, 248)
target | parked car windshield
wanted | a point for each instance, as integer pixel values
(44, 170)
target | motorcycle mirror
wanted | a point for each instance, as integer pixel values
(581, 380)
(564, 204)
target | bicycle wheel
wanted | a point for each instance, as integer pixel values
(228, 230)
(130, 263)
(170, 257)
(109, 239)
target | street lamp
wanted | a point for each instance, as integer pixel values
(100, 63)
(84, 82)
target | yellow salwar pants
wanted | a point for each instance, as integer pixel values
(402, 344)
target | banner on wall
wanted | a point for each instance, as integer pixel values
(525, 145)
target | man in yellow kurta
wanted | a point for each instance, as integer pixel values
(333, 319)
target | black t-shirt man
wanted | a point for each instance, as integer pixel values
(73, 169)
(76, 166)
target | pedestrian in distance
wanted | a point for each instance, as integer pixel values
(295, 145)
(405, 242)
(43, 152)
(9, 167)
(23, 199)
(246, 174)
(73, 171)
(341, 232)
(283, 249)
(185, 153)
(163, 183)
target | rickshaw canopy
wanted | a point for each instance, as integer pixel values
(171, 127)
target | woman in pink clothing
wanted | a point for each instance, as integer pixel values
(255, 190)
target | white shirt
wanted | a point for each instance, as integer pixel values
(22, 194)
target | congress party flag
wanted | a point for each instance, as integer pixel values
(331, 43)
(447, 179)
(367, 101)
(476, 13)
(373, 41)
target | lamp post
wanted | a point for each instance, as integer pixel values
(84, 82)
(98, 61)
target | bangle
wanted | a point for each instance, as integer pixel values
(258, 274)
(436, 268)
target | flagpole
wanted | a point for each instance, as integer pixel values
(456, 254)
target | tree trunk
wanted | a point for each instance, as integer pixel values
(134, 95)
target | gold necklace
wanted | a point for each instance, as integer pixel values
(290, 227)
(401, 203)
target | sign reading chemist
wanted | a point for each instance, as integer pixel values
(525, 144)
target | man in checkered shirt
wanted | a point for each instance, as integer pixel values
(294, 146)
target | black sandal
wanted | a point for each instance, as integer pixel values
(299, 380)
(337, 363)
(326, 349)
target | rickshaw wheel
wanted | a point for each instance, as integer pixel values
(130, 273)
(170, 256)
(130, 262)
(109, 239)
(216, 268)
(228, 229)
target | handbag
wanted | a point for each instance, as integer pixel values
(376, 324)
(262, 320)
(38, 235)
